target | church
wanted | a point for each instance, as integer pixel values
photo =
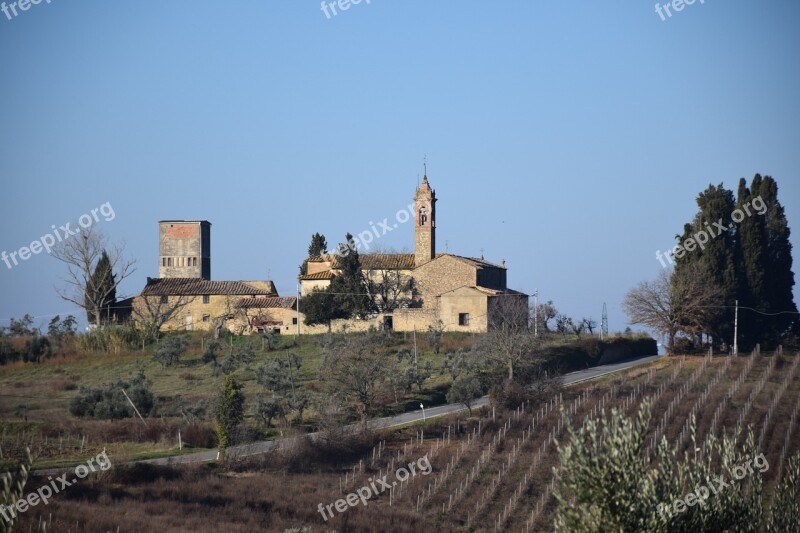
(421, 289)
(412, 291)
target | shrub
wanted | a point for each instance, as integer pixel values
(169, 352)
(110, 402)
(465, 390)
(110, 338)
(36, 348)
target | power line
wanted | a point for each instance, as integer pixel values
(749, 309)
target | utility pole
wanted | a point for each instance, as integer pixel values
(415, 345)
(536, 313)
(736, 331)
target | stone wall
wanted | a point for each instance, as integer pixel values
(184, 249)
(445, 273)
(464, 301)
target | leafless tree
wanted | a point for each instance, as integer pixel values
(509, 339)
(81, 252)
(152, 312)
(355, 369)
(675, 303)
(391, 290)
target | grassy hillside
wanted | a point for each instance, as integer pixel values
(490, 470)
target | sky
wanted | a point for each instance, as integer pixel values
(568, 138)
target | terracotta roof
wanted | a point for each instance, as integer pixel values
(275, 302)
(202, 287)
(387, 261)
(371, 261)
(474, 261)
(325, 274)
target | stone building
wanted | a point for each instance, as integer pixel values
(412, 290)
(454, 291)
(184, 298)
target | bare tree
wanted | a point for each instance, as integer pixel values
(152, 312)
(671, 304)
(391, 290)
(355, 369)
(80, 253)
(509, 339)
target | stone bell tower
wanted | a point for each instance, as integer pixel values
(425, 224)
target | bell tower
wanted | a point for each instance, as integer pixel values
(425, 223)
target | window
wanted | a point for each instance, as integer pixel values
(194, 261)
(463, 319)
(423, 216)
(163, 261)
(169, 261)
(164, 300)
(294, 321)
(206, 299)
(206, 318)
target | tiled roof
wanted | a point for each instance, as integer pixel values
(325, 274)
(282, 302)
(371, 261)
(387, 261)
(202, 287)
(474, 261)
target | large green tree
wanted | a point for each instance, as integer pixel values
(347, 296)
(715, 257)
(742, 244)
(779, 277)
(350, 288)
(751, 251)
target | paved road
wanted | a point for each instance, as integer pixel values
(378, 423)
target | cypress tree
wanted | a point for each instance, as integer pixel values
(778, 275)
(101, 292)
(750, 254)
(350, 287)
(716, 257)
(318, 247)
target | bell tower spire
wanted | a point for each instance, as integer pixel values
(425, 223)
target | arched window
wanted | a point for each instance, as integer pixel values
(423, 216)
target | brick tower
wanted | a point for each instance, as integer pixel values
(184, 249)
(425, 224)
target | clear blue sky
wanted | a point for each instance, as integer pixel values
(569, 138)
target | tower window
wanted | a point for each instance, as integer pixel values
(423, 216)
(169, 261)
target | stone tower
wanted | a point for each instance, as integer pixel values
(184, 249)
(425, 225)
